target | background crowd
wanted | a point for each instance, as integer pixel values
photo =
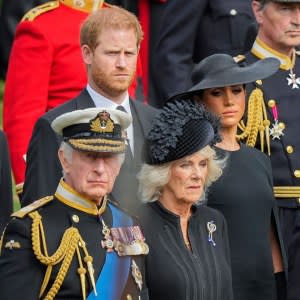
(236, 59)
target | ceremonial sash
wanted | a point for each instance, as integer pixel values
(113, 277)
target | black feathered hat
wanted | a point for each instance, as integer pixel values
(182, 128)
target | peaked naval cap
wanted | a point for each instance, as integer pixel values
(94, 129)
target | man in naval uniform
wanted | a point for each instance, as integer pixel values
(273, 118)
(78, 244)
(110, 40)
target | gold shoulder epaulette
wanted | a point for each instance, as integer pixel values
(31, 207)
(38, 10)
(239, 58)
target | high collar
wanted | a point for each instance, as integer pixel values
(261, 50)
(167, 214)
(70, 197)
(84, 5)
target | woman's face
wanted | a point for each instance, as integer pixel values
(187, 179)
(226, 102)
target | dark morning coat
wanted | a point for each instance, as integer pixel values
(43, 168)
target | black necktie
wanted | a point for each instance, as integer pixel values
(128, 149)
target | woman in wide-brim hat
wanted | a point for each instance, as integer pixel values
(244, 194)
(188, 244)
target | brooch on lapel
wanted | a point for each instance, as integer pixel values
(211, 227)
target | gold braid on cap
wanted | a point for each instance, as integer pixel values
(71, 243)
(257, 121)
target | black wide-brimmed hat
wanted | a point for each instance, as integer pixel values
(181, 128)
(94, 129)
(220, 70)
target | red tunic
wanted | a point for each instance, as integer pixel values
(45, 70)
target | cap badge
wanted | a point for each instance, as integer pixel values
(102, 123)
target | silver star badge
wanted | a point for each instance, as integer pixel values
(276, 131)
(292, 80)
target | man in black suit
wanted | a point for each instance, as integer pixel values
(110, 41)
(200, 28)
(6, 201)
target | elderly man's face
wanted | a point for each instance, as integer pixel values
(112, 65)
(92, 174)
(279, 24)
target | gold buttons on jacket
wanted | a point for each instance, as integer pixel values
(75, 218)
(271, 103)
(289, 149)
(297, 173)
(129, 297)
(233, 12)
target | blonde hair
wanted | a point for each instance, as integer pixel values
(152, 178)
(110, 17)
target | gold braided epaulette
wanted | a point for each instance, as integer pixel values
(31, 207)
(38, 10)
(239, 58)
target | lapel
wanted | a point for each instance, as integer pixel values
(138, 132)
(84, 100)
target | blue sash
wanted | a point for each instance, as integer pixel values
(113, 277)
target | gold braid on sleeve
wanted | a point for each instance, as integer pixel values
(70, 245)
(257, 122)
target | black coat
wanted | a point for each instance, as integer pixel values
(190, 31)
(6, 202)
(43, 170)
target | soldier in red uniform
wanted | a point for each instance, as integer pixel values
(45, 70)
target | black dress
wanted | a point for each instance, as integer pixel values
(244, 195)
(174, 272)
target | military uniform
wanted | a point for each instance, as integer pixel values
(45, 70)
(275, 103)
(201, 28)
(57, 242)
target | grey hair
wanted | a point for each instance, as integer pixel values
(152, 178)
(67, 150)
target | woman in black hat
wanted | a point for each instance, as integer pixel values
(188, 245)
(244, 194)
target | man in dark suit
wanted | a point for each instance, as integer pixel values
(110, 41)
(200, 28)
(6, 202)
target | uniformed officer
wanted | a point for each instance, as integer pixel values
(274, 112)
(200, 28)
(77, 244)
(45, 70)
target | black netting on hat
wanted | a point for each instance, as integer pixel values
(181, 128)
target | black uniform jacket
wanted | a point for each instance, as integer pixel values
(192, 30)
(66, 231)
(43, 170)
(281, 99)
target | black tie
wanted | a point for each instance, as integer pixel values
(128, 149)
